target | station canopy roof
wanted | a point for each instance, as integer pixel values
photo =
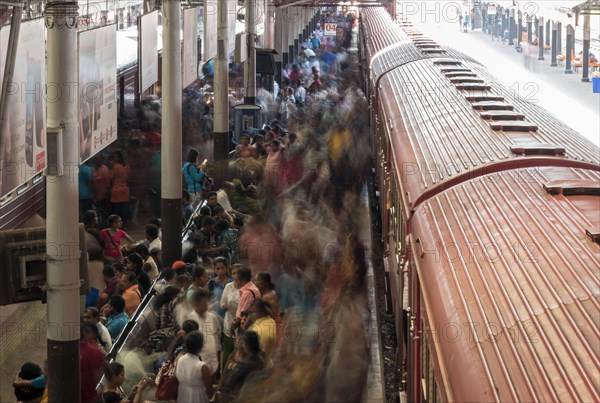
(588, 7)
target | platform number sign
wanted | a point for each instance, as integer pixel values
(330, 28)
(491, 9)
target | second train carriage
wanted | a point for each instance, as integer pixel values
(491, 224)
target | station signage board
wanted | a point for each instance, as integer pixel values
(491, 9)
(330, 28)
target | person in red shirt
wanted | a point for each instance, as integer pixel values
(91, 361)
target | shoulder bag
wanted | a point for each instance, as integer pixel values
(166, 381)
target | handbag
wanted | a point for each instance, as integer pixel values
(166, 381)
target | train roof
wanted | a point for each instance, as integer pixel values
(448, 119)
(510, 279)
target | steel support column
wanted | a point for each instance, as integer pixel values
(221, 86)
(569, 55)
(553, 62)
(171, 161)
(250, 63)
(541, 38)
(585, 57)
(62, 188)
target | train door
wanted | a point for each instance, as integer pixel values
(414, 336)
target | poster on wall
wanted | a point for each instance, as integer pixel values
(210, 30)
(22, 141)
(209, 25)
(232, 11)
(97, 89)
(147, 46)
(189, 60)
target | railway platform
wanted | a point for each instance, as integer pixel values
(24, 326)
(564, 95)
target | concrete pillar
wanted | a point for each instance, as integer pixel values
(529, 29)
(519, 26)
(250, 63)
(558, 37)
(282, 21)
(290, 16)
(548, 28)
(171, 161)
(541, 38)
(554, 63)
(62, 230)
(304, 28)
(586, 48)
(511, 27)
(269, 41)
(297, 29)
(504, 23)
(221, 86)
(278, 45)
(484, 18)
(570, 43)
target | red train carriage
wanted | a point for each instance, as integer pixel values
(491, 215)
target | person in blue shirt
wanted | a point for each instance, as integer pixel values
(85, 188)
(116, 322)
(193, 175)
(316, 42)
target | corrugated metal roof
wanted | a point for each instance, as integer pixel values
(511, 285)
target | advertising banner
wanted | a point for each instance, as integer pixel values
(97, 89)
(189, 60)
(210, 30)
(22, 141)
(232, 12)
(147, 46)
(210, 23)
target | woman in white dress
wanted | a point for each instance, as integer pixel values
(229, 301)
(195, 381)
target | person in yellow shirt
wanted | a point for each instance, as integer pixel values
(263, 324)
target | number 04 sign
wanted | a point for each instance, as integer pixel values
(330, 28)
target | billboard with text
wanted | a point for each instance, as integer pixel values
(189, 59)
(147, 45)
(97, 89)
(22, 141)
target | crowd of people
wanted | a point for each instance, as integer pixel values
(268, 299)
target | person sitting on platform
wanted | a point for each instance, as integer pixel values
(114, 374)
(187, 210)
(153, 236)
(134, 263)
(131, 293)
(114, 317)
(92, 315)
(112, 282)
(149, 266)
